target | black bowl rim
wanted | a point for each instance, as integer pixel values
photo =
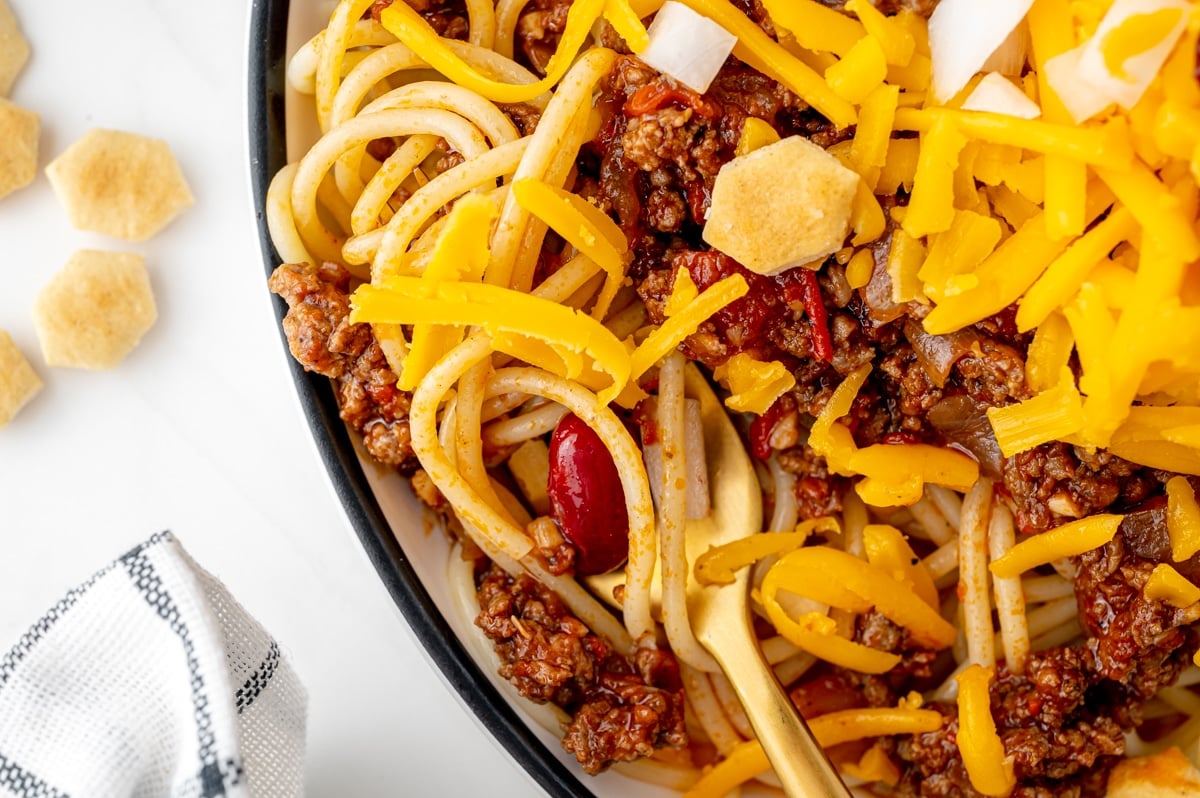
(267, 153)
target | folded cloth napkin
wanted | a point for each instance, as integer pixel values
(149, 680)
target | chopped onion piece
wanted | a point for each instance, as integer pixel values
(687, 46)
(997, 94)
(1009, 57)
(963, 34)
(1081, 99)
(1143, 63)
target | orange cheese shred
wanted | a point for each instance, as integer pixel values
(536, 330)
(1167, 584)
(754, 385)
(411, 28)
(718, 565)
(748, 760)
(1067, 540)
(840, 579)
(1183, 519)
(990, 770)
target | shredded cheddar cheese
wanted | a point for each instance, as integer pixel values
(906, 255)
(887, 549)
(748, 759)
(756, 134)
(1183, 519)
(957, 252)
(1067, 540)
(1095, 146)
(1066, 273)
(683, 293)
(896, 40)
(817, 634)
(830, 439)
(933, 464)
(847, 725)
(860, 268)
(869, 147)
(816, 26)
(553, 336)
(718, 564)
(1053, 414)
(860, 72)
(1167, 584)
(990, 770)
(753, 384)
(873, 766)
(767, 56)
(840, 579)
(460, 253)
(627, 24)
(931, 207)
(1048, 353)
(411, 28)
(685, 322)
(584, 226)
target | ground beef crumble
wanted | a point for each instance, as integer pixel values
(1065, 718)
(323, 340)
(620, 709)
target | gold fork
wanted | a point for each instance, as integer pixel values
(720, 614)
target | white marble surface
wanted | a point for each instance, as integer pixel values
(198, 430)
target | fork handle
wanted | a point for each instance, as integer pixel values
(798, 760)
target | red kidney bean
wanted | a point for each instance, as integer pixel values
(586, 498)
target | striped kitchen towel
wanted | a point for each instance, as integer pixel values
(149, 679)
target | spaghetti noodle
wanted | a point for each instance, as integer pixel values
(500, 233)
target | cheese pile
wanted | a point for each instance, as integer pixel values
(1081, 208)
(1089, 225)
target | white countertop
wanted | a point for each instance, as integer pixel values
(198, 430)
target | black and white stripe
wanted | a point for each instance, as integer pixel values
(257, 681)
(43, 625)
(23, 784)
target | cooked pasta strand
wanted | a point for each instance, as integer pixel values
(1038, 589)
(730, 704)
(639, 569)
(932, 521)
(326, 244)
(386, 246)
(518, 429)
(948, 502)
(1010, 600)
(712, 718)
(973, 575)
(547, 142)
(372, 202)
(671, 518)
(280, 220)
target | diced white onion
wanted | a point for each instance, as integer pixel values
(963, 34)
(997, 94)
(1081, 99)
(1140, 68)
(1009, 57)
(687, 46)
